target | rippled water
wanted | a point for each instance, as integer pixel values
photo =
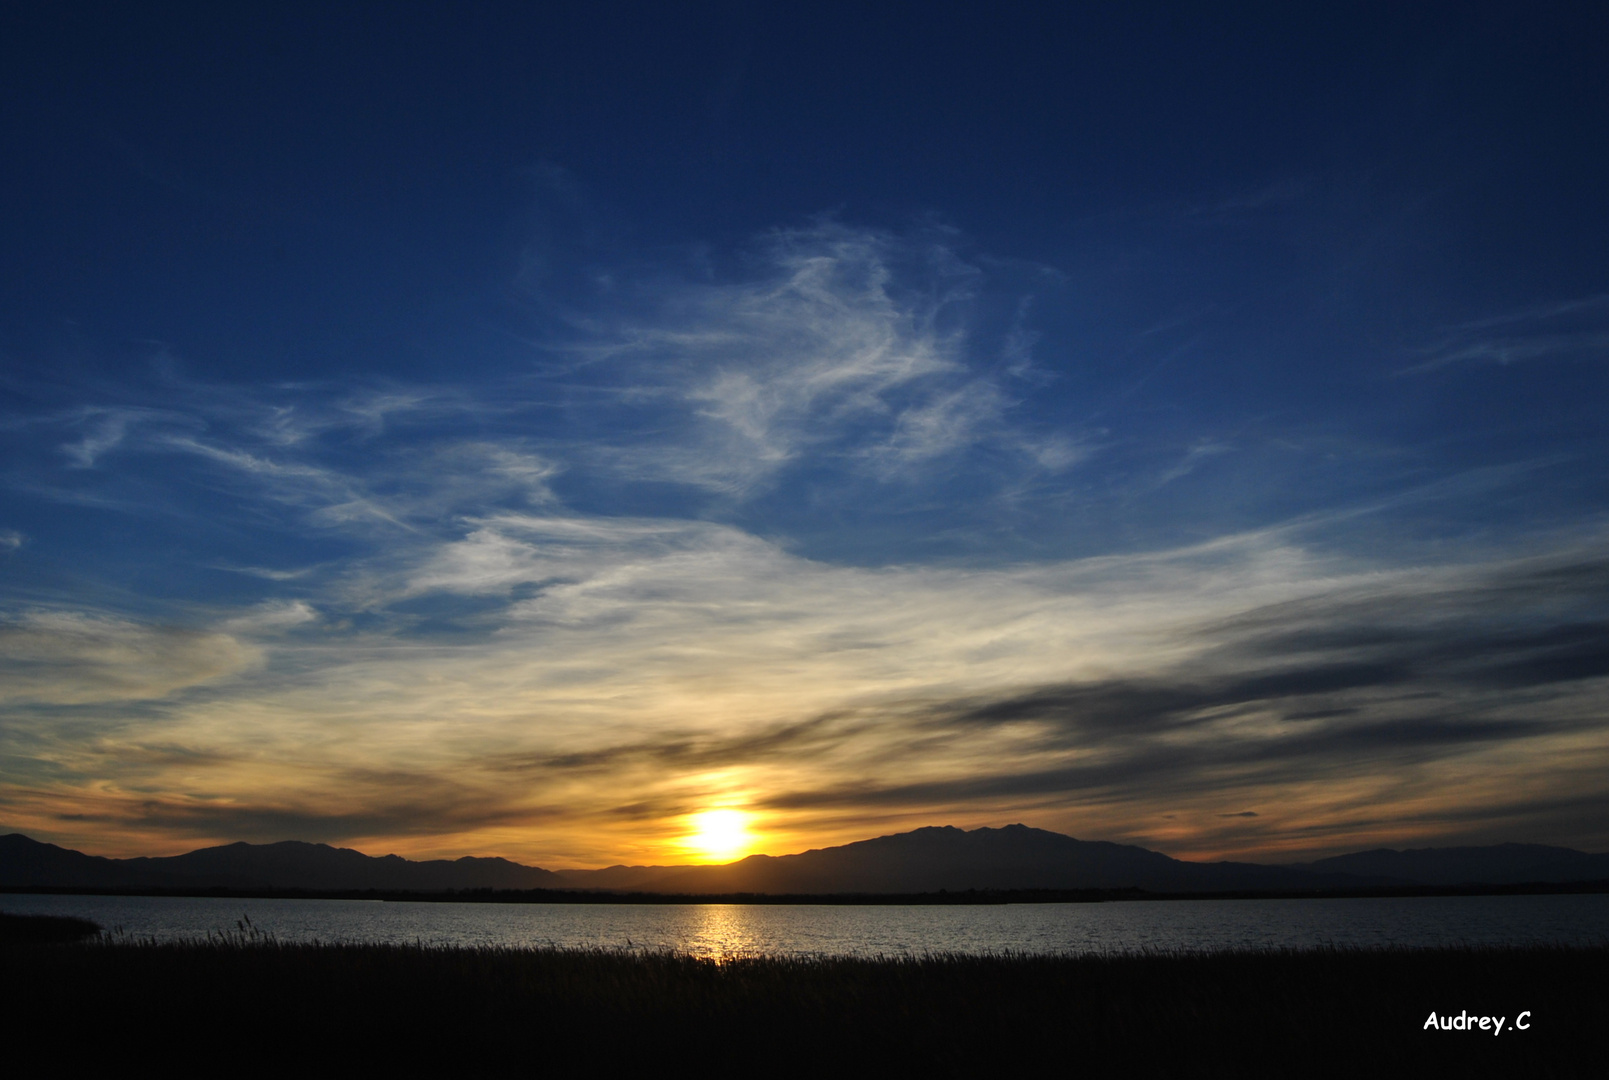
(785, 929)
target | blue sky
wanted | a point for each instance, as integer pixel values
(502, 429)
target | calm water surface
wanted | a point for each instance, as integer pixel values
(791, 930)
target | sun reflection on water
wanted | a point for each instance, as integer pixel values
(723, 932)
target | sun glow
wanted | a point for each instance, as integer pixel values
(719, 835)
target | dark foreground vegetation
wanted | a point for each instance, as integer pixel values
(45, 929)
(247, 1005)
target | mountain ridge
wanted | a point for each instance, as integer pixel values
(927, 860)
(1509, 863)
(286, 864)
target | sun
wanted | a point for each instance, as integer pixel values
(719, 835)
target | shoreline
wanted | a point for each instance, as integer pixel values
(941, 898)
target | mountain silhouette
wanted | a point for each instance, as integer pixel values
(1500, 864)
(947, 858)
(927, 860)
(290, 864)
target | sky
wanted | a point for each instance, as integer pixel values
(630, 433)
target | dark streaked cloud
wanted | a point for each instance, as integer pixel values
(1382, 680)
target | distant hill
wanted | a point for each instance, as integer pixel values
(288, 865)
(1502, 864)
(923, 861)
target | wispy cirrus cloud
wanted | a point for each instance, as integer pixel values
(841, 348)
(106, 431)
(97, 430)
(75, 657)
(829, 352)
(1566, 329)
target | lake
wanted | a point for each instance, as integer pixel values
(716, 930)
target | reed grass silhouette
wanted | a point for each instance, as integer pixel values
(244, 1001)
